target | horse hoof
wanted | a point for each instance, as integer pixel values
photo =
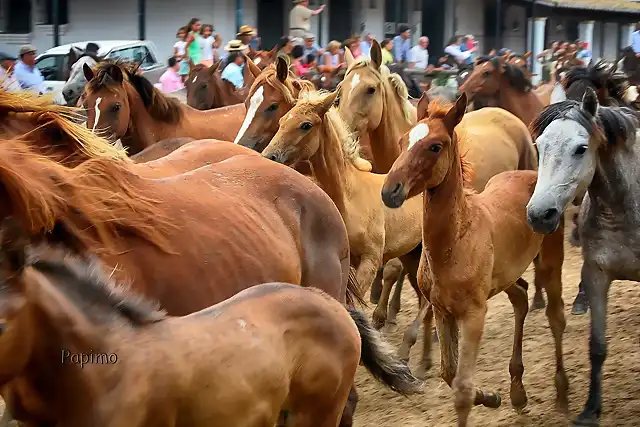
(492, 400)
(518, 396)
(378, 321)
(587, 419)
(421, 372)
(538, 303)
(391, 328)
(403, 353)
(580, 305)
(374, 299)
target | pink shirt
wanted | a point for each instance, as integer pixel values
(171, 81)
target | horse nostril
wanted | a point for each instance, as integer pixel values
(272, 157)
(396, 189)
(550, 214)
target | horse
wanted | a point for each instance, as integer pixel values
(127, 107)
(81, 334)
(207, 90)
(630, 65)
(610, 85)
(474, 246)
(74, 87)
(273, 93)
(160, 149)
(52, 130)
(585, 145)
(374, 105)
(176, 224)
(263, 58)
(314, 132)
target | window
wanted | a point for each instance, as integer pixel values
(51, 67)
(15, 16)
(135, 54)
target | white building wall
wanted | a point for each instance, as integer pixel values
(373, 17)
(597, 45)
(611, 50)
(470, 20)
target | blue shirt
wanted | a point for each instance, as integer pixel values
(233, 73)
(401, 49)
(365, 48)
(635, 41)
(29, 78)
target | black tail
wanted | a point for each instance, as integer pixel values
(381, 361)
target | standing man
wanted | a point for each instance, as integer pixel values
(402, 44)
(26, 72)
(8, 80)
(419, 55)
(300, 18)
(635, 40)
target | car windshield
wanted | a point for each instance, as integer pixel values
(51, 66)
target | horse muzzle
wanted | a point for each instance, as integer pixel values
(394, 195)
(545, 220)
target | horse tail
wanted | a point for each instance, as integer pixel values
(380, 359)
(353, 290)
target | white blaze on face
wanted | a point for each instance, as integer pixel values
(194, 79)
(631, 94)
(258, 61)
(97, 110)
(254, 103)
(418, 133)
(355, 81)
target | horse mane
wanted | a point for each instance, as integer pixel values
(395, 82)
(438, 109)
(162, 108)
(269, 76)
(86, 280)
(95, 203)
(40, 110)
(614, 123)
(516, 76)
(598, 76)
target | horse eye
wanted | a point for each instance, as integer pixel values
(486, 73)
(306, 126)
(435, 148)
(581, 150)
(371, 90)
(272, 107)
(115, 108)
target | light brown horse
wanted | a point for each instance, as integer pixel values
(52, 130)
(374, 104)
(474, 246)
(126, 106)
(273, 93)
(213, 222)
(207, 90)
(313, 132)
(160, 149)
(68, 324)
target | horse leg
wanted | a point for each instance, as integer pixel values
(596, 284)
(376, 287)
(425, 362)
(394, 305)
(411, 334)
(517, 294)
(465, 394)
(366, 271)
(447, 329)
(391, 272)
(6, 418)
(581, 303)
(550, 267)
(538, 299)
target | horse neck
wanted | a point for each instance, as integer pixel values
(332, 170)
(384, 139)
(615, 185)
(524, 105)
(144, 130)
(445, 212)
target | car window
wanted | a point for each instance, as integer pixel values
(134, 54)
(50, 67)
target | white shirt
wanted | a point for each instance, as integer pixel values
(454, 50)
(207, 47)
(181, 47)
(9, 81)
(419, 56)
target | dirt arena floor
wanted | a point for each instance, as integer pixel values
(621, 386)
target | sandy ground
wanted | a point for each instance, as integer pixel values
(621, 405)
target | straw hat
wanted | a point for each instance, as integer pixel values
(246, 30)
(235, 46)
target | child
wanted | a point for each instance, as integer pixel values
(298, 67)
(207, 40)
(170, 80)
(180, 52)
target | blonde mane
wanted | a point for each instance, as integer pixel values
(394, 82)
(288, 89)
(40, 110)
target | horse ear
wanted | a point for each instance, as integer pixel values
(526, 55)
(456, 113)
(253, 68)
(88, 72)
(282, 70)
(376, 55)
(214, 67)
(558, 94)
(60, 311)
(115, 73)
(590, 102)
(423, 107)
(327, 102)
(348, 57)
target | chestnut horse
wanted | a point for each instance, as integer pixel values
(474, 246)
(127, 107)
(374, 104)
(313, 132)
(73, 334)
(207, 90)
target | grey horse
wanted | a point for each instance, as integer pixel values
(74, 87)
(585, 145)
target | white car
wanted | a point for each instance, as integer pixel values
(53, 63)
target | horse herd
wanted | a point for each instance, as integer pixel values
(226, 275)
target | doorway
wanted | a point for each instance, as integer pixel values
(271, 22)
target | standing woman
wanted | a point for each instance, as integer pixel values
(194, 48)
(206, 42)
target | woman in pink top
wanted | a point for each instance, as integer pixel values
(170, 80)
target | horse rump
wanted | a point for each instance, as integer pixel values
(380, 359)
